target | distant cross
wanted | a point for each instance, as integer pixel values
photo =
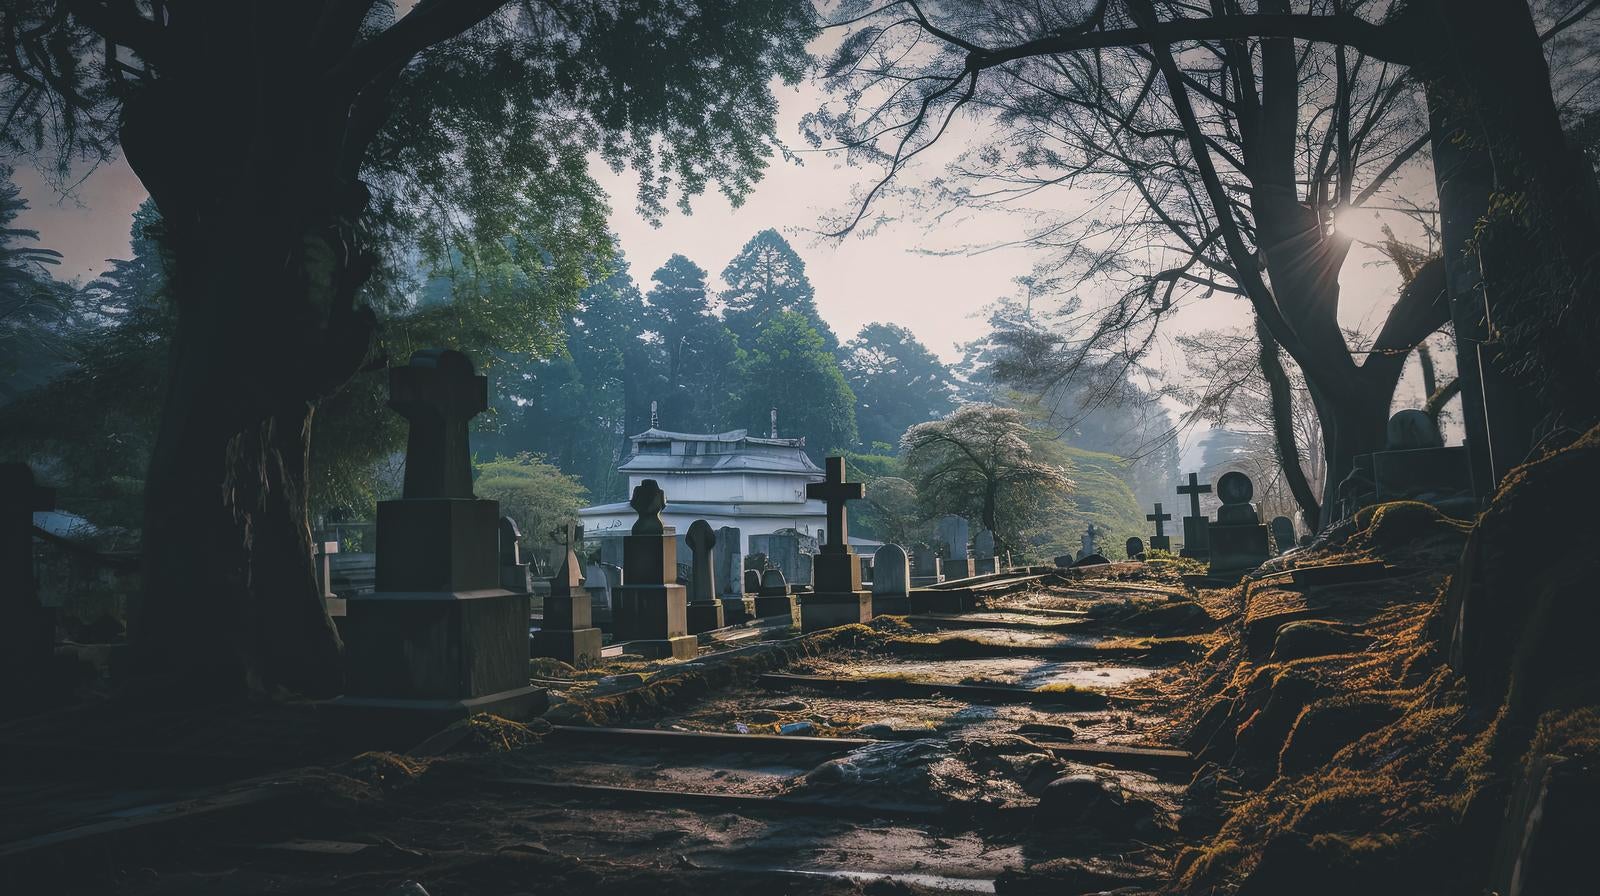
(702, 576)
(835, 491)
(438, 392)
(569, 577)
(1194, 490)
(648, 500)
(1158, 518)
(654, 420)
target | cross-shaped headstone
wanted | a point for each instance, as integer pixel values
(1159, 518)
(702, 576)
(835, 491)
(569, 578)
(1194, 490)
(438, 393)
(648, 501)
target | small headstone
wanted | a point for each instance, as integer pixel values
(325, 551)
(1237, 540)
(773, 582)
(705, 609)
(891, 581)
(728, 561)
(984, 560)
(601, 580)
(515, 575)
(953, 534)
(1235, 490)
(1135, 548)
(1283, 534)
(1410, 430)
(752, 581)
(1065, 561)
(926, 566)
(1195, 525)
(1089, 542)
(782, 550)
(1416, 466)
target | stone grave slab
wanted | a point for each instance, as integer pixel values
(1238, 541)
(891, 581)
(705, 611)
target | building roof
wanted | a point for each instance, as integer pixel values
(735, 451)
(739, 508)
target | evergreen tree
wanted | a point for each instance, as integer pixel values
(32, 305)
(766, 278)
(790, 368)
(699, 357)
(896, 380)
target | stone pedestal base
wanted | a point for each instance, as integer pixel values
(703, 616)
(1196, 543)
(436, 646)
(1161, 543)
(736, 610)
(826, 609)
(579, 647)
(1432, 472)
(677, 647)
(953, 600)
(654, 621)
(768, 605)
(984, 566)
(958, 569)
(1236, 549)
(891, 604)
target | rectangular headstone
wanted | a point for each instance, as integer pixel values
(729, 561)
(953, 532)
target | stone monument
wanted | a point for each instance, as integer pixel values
(515, 574)
(1161, 541)
(891, 581)
(927, 567)
(323, 552)
(601, 580)
(1195, 525)
(1134, 548)
(439, 639)
(1415, 465)
(783, 551)
(705, 606)
(775, 597)
(985, 561)
(1089, 542)
(650, 609)
(1283, 534)
(568, 631)
(728, 562)
(837, 597)
(953, 533)
(1238, 540)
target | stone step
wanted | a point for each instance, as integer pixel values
(726, 802)
(706, 741)
(975, 693)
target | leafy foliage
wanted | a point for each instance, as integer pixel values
(896, 380)
(538, 496)
(767, 278)
(790, 368)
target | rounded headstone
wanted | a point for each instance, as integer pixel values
(1235, 488)
(1412, 429)
(1134, 547)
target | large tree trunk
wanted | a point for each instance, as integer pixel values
(1287, 447)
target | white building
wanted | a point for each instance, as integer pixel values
(726, 479)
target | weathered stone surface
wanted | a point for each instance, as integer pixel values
(1283, 534)
(705, 609)
(1134, 547)
(650, 609)
(1237, 541)
(1412, 429)
(728, 561)
(891, 581)
(1196, 527)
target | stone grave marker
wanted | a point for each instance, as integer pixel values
(651, 609)
(1065, 561)
(891, 581)
(1161, 541)
(1415, 465)
(776, 597)
(1195, 525)
(568, 632)
(439, 639)
(953, 533)
(323, 554)
(1283, 534)
(1238, 540)
(515, 574)
(1135, 548)
(752, 582)
(1088, 542)
(837, 597)
(783, 552)
(728, 561)
(27, 628)
(705, 606)
(601, 580)
(984, 561)
(927, 567)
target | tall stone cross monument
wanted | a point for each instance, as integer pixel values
(1161, 541)
(1195, 525)
(651, 609)
(440, 639)
(837, 598)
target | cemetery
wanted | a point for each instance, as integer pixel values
(400, 512)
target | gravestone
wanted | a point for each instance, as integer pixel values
(27, 628)
(984, 561)
(891, 581)
(1283, 534)
(1088, 543)
(651, 609)
(1065, 561)
(927, 568)
(1195, 525)
(775, 597)
(515, 575)
(323, 556)
(601, 580)
(612, 550)
(953, 533)
(1415, 465)
(752, 582)
(705, 606)
(568, 632)
(783, 552)
(728, 561)
(837, 597)
(1161, 541)
(439, 639)
(1238, 541)
(1135, 548)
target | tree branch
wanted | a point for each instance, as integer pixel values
(428, 23)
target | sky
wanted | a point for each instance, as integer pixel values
(888, 275)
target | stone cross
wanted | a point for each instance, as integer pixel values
(702, 576)
(569, 578)
(648, 501)
(438, 392)
(1194, 490)
(835, 491)
(1159, 519)
(1089, 536)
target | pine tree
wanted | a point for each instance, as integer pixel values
(767, 278)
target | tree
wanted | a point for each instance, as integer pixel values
(698, 355)
(896, 380)
(766, 278)
(536, 494)
(32, 305)
(980, 462)
(790, 369)
(293, 207)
